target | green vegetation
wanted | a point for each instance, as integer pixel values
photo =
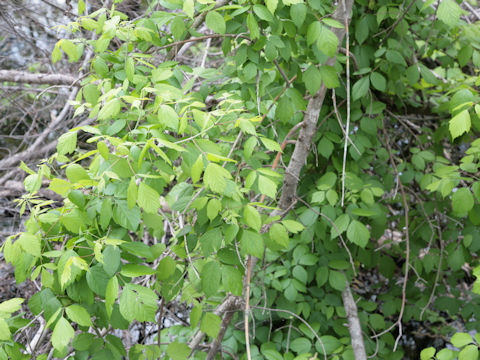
(187, 172)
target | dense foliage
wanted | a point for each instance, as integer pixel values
(172, 187)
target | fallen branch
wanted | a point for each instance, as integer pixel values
(38, 78)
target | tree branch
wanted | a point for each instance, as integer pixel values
(354, 324)
(302, 147)
(38, 78)
(196, 23)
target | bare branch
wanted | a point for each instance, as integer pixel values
(354, 324)
(43, 79)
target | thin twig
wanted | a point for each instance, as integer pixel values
(247, 306)
(336, 229)
(287, 85)
(302, 320)
(347, 130)
(339, 119)
(282, 147)
(407, 250)
(200, 38)
(439, 270)
(160, 319)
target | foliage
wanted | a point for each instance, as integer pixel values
(175, 186)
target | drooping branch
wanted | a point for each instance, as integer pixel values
(38, 78)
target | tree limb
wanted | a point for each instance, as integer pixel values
(38, 78)
(354, 324)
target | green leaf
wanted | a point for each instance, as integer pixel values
(177, 26)
(329, 76)
(111, 259)
(271, 5)
(360, 88)
(232, 280)
(358, 233)
(298, 12)
(449, 12)
(252, 217)
(327, 41)
(262, 12)
(111, 294)
(312, 79)
(4, 331)
(197, 169)
(378, 81)
(270, 144)
(134, 270)
(76, 173)
(132, 193)
(337, 280)
(213, 208)
(105, 213)
(211, 241)
(300, 274)
(215, 177)
(67, 143)
(79, 315)
(10, 306)
(361, 30)
(166, 268)
(252, 243)
(461, 339)
(56, 53)
(138, 303)
(330, 343)
(211, 275)
(469, 352)
(211, 324)
(30, 243)
(70, 49)
(178, 351)
(341, 224)
(267, 186)
(253, 26)
(462, 201)
(215, 22)
(62, 334)
(301, 345)
(130, 68)
(278, 234)
(313, 32)
(189, 8)
(460, 124)
(148, 198)
(168, 117)
(293, 226)
(110, 110)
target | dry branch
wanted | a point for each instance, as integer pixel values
(38, 78)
